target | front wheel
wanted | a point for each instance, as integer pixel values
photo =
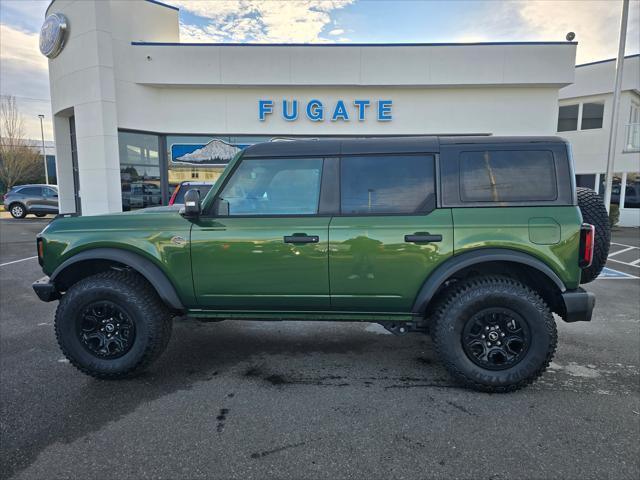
(494, 334)
(112, 325)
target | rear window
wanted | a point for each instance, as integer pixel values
(387, 184)
(507, 176)
(203, 189)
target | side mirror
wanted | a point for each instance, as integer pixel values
(222, 207)
(191, 207)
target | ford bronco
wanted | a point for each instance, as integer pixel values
(476, 241)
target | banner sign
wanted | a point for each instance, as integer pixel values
(215, 153)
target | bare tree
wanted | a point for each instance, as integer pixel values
(19, 160)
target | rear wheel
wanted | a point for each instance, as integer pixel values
(112, 325)
(494, 334)
(17, 210)
(594, 212)
(39, 215)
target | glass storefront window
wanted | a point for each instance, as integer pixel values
(139, 170)
(202, 159)
(632, 191)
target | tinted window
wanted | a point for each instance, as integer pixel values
(274, 187)
(592, 114)
(203, 189)
(568, 118)
(507, 176)
(387, 184)
(31, 191)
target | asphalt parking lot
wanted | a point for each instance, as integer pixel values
(322, 400)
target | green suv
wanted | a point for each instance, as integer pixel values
(476, 241)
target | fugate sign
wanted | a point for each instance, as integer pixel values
(317, 111)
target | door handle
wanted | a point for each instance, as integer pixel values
(420, 237)
(301, 238)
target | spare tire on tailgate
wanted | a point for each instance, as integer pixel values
(595, 213)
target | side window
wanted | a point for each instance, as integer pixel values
(568, 118)
(592, 114)
(275, 187)
(387, 184)
(49, 192)
(31, 191)
(507, 176)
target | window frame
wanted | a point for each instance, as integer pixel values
(211, 211)
(502, 202)
(450, 173)
(578, 117)
(434, 158)
(581, 113)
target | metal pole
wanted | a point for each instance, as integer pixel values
(44, 152)
(613, 131)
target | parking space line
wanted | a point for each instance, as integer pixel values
(18, 261)
(623, 263)
(635, 262)
(621, 251)
(623, 245)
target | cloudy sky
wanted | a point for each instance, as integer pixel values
(23, 70)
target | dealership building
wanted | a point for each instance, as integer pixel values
(136, 112)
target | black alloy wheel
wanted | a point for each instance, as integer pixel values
(106, 330)
(496, 338)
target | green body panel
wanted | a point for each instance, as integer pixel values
(148, 233)
(556, 231)
(244, 263)
(361, 268)
(372, 268)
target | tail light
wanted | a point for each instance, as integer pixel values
(587, 242)
(40, 245)
(173, 195)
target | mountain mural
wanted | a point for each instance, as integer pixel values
(214, 152)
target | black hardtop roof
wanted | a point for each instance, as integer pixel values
(381, 145)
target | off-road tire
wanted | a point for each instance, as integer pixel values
(151, 317)
(17, 210)
(466, 298)
(594, 212)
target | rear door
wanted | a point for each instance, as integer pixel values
(389, 235)
(270, 251)
(50, 199)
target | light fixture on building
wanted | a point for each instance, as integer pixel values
(570, 36)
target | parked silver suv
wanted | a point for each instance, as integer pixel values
(37, 199)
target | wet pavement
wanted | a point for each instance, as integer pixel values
(311, 400)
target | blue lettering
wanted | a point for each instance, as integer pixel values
(289, 117)
(264, 107)
(340, 112)
(384, 110)
(361, 105)
(315, 110)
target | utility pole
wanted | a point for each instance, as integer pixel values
(613, 131)
(44, 152)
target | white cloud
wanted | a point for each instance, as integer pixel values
(296, 21)
(336, 31)
(24, 74)
(595, 22)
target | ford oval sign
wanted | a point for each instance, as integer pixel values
(53, 34)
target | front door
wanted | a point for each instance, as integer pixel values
(270, 251)
(389, 235)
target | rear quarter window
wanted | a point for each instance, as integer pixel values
(507, 176)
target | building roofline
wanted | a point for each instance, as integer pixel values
(181, 44)
(607, 60)
(46, 12)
